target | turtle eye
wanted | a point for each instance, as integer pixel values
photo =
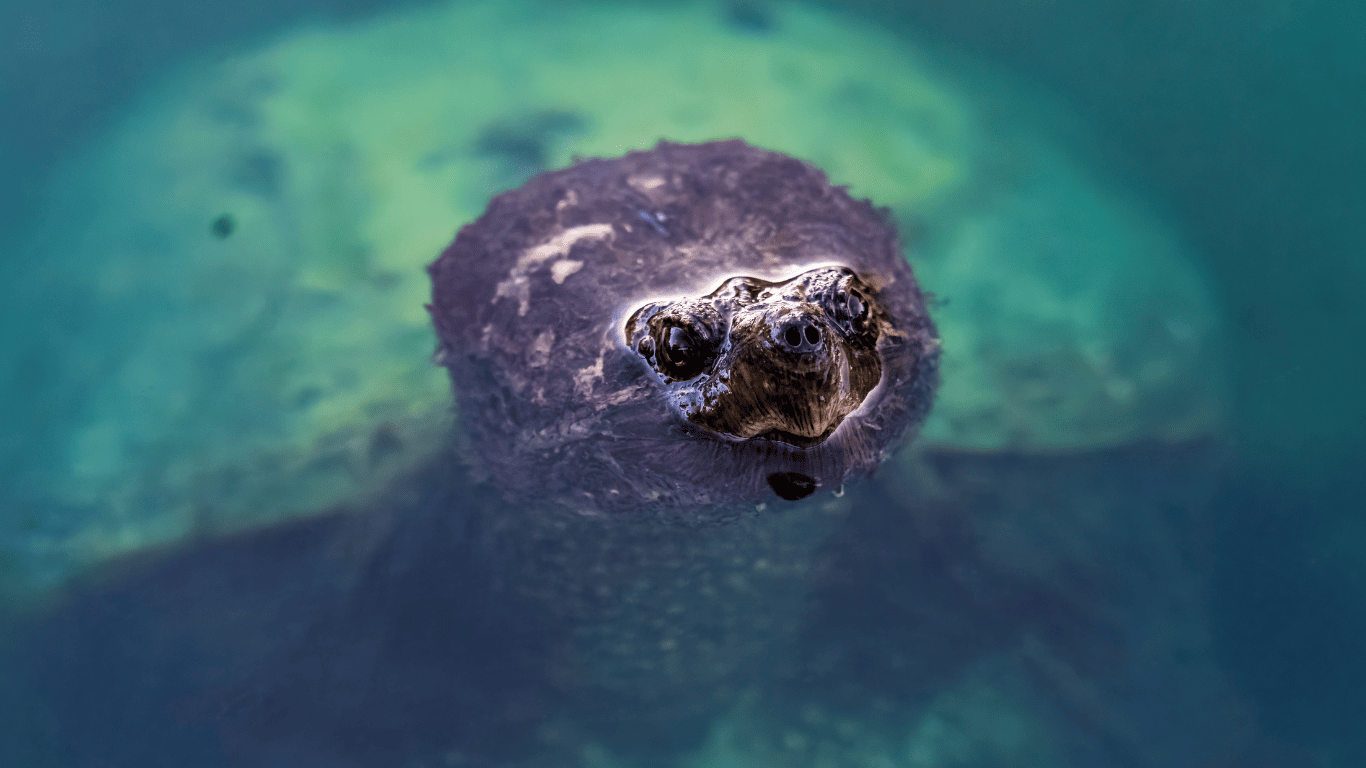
(849, 310)
(683, 353)
(646, 348)
(858, 311)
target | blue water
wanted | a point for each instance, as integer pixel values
(1241, 121)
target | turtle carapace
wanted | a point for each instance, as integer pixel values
(687, 326)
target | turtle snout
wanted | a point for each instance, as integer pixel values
(798, 334)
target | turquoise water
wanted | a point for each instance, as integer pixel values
(1158, 571)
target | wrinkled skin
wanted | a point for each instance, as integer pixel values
(557, 312)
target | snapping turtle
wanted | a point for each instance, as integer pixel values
(688, 326)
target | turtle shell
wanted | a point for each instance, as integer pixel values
(686, 326)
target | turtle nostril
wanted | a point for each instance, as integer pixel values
(799, 334)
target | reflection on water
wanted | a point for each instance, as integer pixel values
(223, 425)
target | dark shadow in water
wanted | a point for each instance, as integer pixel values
(1291, 617)
(363, 639)
(340, 641)
(1083, 571)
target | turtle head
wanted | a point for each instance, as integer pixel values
(758, 360)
